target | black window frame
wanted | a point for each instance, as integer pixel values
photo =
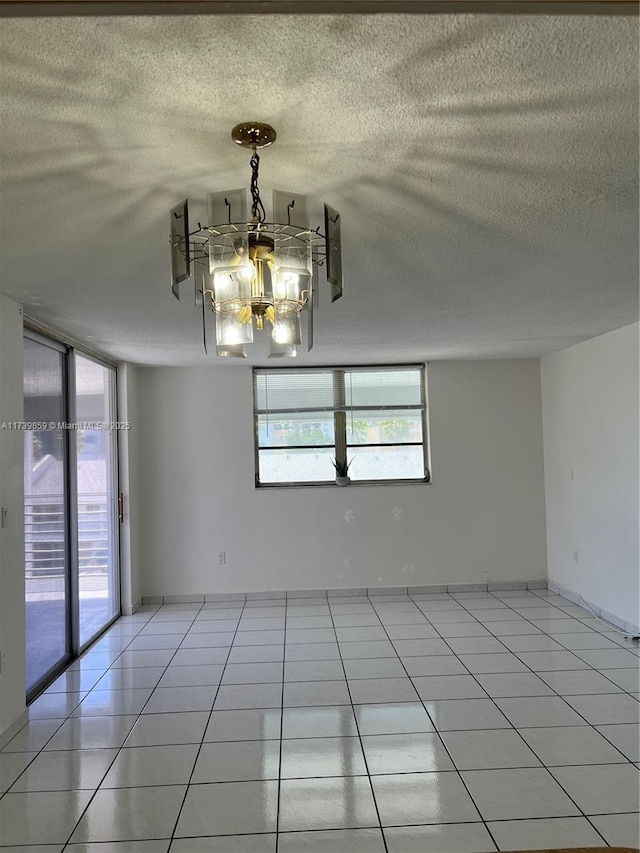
(341, 410)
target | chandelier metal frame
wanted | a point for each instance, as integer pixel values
(249, 269)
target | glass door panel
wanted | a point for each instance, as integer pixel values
(46, 522)
(96, 490)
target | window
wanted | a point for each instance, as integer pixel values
(375, 418)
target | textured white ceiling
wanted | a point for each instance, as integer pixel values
(485, 168)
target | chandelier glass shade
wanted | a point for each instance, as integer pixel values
(253, 275)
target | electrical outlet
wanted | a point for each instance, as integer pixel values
(222, 558)
(4, 513)
(3, 660)
(575, 555)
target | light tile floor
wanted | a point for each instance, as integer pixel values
(429, 723)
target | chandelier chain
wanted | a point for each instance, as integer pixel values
(257, 208)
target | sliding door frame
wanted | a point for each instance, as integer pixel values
(64, 661)
(71, 527)
(114, 472)
(72, 490)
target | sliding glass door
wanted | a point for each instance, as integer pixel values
(71, 505)
(96, 496)
(46, 518)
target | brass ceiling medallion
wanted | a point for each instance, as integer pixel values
(253, 134)
(247, 269)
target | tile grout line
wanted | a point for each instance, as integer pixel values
(204, 732)
(63, 721)
(590, 630)
(555, 692)
(524, 741)
(577, 619)
(284, 664)
(592, 726)
(589, 668)
(583, 621)
(435, 729)
(503, 714)
(122, 746)
(69, 717)
(357, 724)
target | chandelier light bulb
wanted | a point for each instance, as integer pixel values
(223, 285)
(246, 273)
(233, 336)
(282, 333)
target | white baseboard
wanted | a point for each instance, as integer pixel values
(372, 592)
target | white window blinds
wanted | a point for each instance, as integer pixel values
(374, 418)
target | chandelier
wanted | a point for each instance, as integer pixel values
(251, 274)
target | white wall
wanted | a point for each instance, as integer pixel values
(12, 685)
(590, 414)
(484, 510)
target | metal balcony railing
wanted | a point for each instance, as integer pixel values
(44, 524)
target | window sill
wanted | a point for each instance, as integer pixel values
(353, 484)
